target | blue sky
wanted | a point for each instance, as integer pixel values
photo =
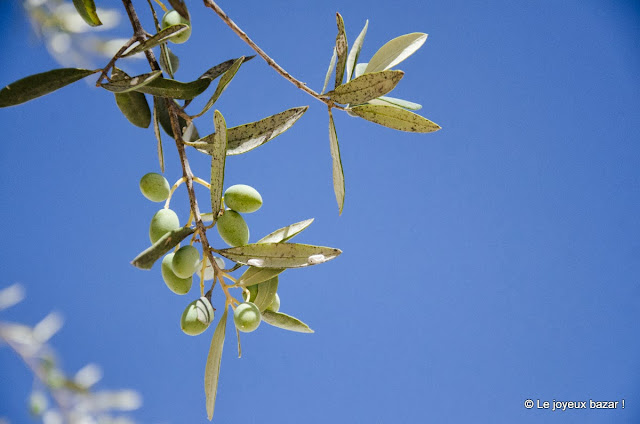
(494, 261)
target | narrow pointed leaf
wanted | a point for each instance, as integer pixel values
(157, 39)
(169, 62)
(366, 87)
(38, 85)
(284, 321)
(394, 117)
(165, 87)
(332, 65)
(352, 59)
(165, 121)
(156, 132)
(253, 275)
(286, 233)
(135, 108)
(221, 68)
(279, 255)
(212, 369)
(87, 10)
(338, 173)
(218, 158)
(266, 293)
(146, 259)
(180, 7)
(359, 69)
(123, 83)
(222, 85)
(395, 51)
(392, 101)
(341, 50)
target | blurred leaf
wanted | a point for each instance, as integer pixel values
(169, 62)
(181, 8)
(87, 10)
(48, 327)
(123, 83)
(338, 174)
(396, 118)
(395, 51)
(212, 369)
(359, 69)
(11, 295)
(366, 87)
(279, 255)
(286, 233)
(253, 275)
(156, 132)
(332, 64)
(164, 87)
(266, 293)
(218, 159)
(392, 101)
(146, 259)
(352, 59)
(287, 322)
(341, 50)
(157, 39)
(222, 85)
(38, 85)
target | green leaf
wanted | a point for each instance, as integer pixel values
(87, 10)
(146, 259)
(279, 255)
(338, 174)
(395, 51)
(156, 132)
(352, 59)
(222, 85)
(244, 138)
(164, 87)
(366, 87)
(392, 101)
(181, 8)
(396, 118)
(218, 158)
(123, 83)
(135, 108)
(38, 85)
(253, 275)
(212, 369)
(165, 120)
(266, 293)
(341, 50)
(221, 68)
(157, 39)
(287, 322)
(332, 64)
(169, 62)
(286, 233)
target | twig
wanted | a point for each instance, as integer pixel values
(113, 60)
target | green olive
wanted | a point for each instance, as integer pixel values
(233, 229)
(163, 221)
(176, 284)
(275, 305)
(154, 187)
(172, 17)
(247, 317)
(185, 261)
(242, 198)
(197, 316)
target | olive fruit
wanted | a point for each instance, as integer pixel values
(163, 221)
(172, 17)
(185, 261)
(247, 317)
(253, 292)
(197, 317)
(208, 269)
(242, 198)
(233, 229)
(154, 187)
(275, 305)
(176, 284)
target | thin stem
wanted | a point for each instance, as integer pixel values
(113, 60)
(279, 69)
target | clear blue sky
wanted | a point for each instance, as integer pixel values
(495, 261)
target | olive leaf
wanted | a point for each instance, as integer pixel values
(222, 85)
(135, 108)
(341, 50)
(392, 101)
(284, 321)
(164, 87)
(354, 53)
(395, 51)
(146, 258)
(366, 87)
(332, 64)
(286, 233)
(156, 132)
(218, 158)
(212, 369)
(157, 39)
(165, 120)
(181, 8)
(338, 173)
(279, 255)
(87, 10)
(123, 83)
(266, 293)
(253, 275)
(221, 68)
(38, 85)
(359, 69)
(169, 62)
(394, 117)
